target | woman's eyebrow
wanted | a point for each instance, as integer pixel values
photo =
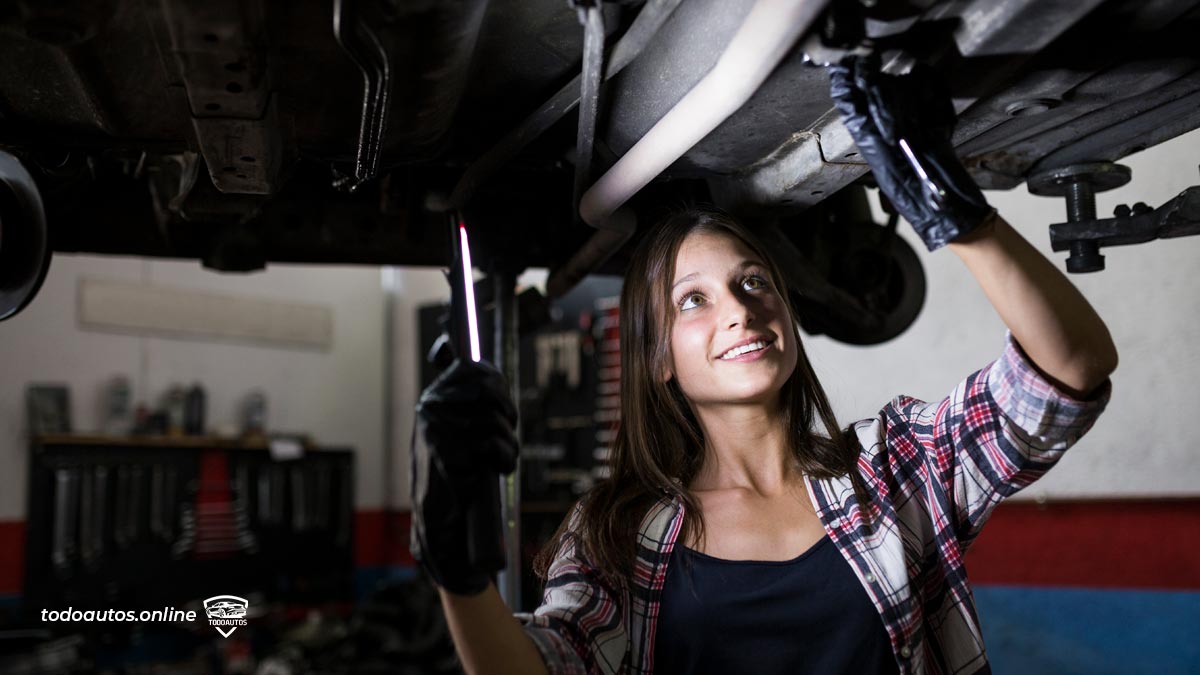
(685, 279)
(741, 266)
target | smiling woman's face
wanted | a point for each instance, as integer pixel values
(724, 304)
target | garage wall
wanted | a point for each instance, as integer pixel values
(1143, 445)
(412, 289)
(1149, 296)
(333, 395)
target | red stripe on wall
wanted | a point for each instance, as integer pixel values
(12, 556)
(1144, 543)
(381, 538)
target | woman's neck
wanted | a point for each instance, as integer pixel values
(747, 448)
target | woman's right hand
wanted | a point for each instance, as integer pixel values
(465, 437)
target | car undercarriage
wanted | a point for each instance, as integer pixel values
(246, 133)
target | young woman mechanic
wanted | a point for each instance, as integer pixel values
(741, 531)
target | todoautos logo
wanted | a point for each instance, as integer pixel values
(226, 613)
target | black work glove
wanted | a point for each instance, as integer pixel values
(881, 111)
(464, 438)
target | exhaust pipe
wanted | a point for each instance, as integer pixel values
(764, 39)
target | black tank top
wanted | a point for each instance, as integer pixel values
(807, 615)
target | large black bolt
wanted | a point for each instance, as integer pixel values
(1079, 183)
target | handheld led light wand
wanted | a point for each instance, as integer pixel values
(485, 526)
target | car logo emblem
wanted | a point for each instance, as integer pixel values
(226, 613)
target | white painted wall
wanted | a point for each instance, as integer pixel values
(1149, 296)
(413, 288)
(333, 395)
(1143, 445)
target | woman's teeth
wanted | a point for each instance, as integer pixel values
(738, 351)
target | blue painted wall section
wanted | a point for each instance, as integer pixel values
(1064, 631)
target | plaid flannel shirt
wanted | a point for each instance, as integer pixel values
(935, 470)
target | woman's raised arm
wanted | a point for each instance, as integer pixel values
(488, 638)
(903, 125)
(1048, 316)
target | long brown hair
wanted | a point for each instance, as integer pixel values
(659, 445)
